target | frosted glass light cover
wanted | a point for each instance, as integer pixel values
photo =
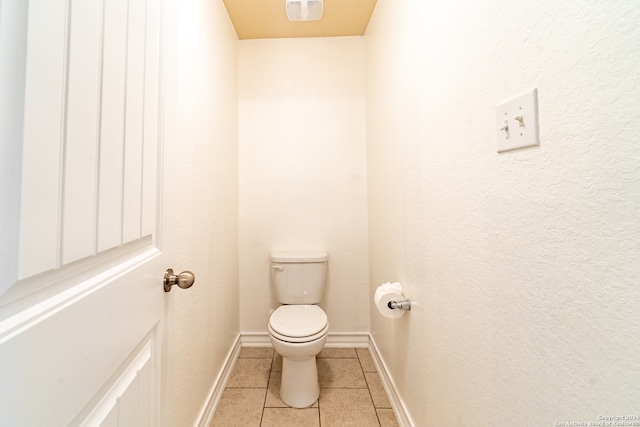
(304, 10)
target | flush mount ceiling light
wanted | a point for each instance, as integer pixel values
(304, 10)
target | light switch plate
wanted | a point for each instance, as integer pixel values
(517, 122)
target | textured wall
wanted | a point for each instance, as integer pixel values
(201, 178)
(524, 265)
(303, 171)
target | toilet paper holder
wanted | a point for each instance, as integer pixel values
(399, 305)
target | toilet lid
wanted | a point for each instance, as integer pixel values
(298, 320)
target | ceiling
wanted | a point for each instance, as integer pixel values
(266, 19)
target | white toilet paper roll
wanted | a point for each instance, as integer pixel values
(384, 294)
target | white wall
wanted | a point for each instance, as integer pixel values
(303, 171)
(201, 175)
(524, 265)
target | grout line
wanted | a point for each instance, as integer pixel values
(360, 362)
(257, 388)
(266, 394)
(319, 409)
(373, 403)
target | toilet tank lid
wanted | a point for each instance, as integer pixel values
(318, 256)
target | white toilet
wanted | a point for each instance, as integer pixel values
(298, 328)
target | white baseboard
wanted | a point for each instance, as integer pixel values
(215, 394)
(348, 340)
(399, 408)
(336, 340)
(255, 339)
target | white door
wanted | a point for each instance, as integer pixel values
(81, 311)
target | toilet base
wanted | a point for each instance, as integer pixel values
(299, 387)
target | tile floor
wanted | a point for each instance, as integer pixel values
(351, 393)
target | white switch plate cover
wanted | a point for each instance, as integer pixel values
(518, 135)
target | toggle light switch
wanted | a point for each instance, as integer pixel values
(517, 122)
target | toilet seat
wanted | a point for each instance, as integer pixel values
(298, 340)
(298, 323)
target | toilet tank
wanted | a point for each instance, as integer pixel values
(299, 277)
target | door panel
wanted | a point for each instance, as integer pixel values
(90, 130)
(59, 356)
(81, 328)
(134, 119)
(79, 152)
(42, 135)
(124, 404)
(112, 125)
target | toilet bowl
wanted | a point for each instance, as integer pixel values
(298, 333)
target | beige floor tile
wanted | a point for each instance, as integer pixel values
(239, 407)
(254, 352)
(277, 362)
(379, 396)
(338, 352)
(364, 354)
(273, 393)
(290, 417)
(348, 397)
(346, 408)
(250, 373)
(340, 373)
(387, 418)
